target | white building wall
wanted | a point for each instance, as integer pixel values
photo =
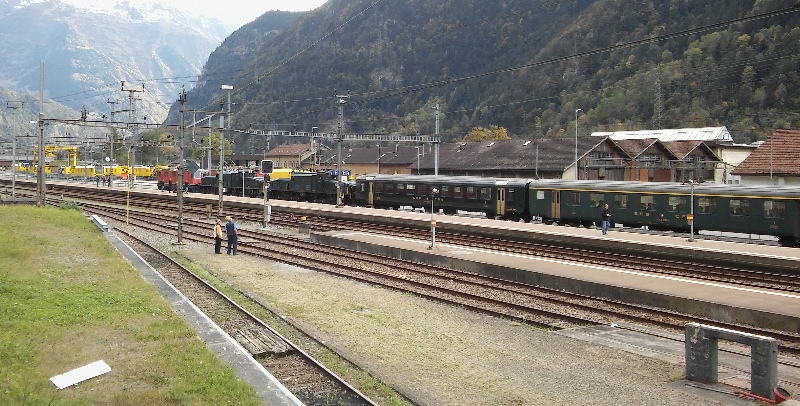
(751, 180)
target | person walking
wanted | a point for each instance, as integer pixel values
(218, 237)
(233, 236)
(606, 219)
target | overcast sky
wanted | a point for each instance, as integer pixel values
(234, 12)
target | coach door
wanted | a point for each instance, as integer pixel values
(555, 204)
(369, 194)
(501, 201)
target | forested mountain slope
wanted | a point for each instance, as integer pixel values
(526, 65)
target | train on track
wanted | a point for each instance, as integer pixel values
(757, 210)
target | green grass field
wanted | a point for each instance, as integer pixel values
(68, 299)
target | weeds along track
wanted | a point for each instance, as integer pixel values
(528, 304)
(304, 376)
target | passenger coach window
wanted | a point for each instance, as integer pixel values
(595, 199)
(410, 189)
(707, 205)
(677, 203)
(510, 195)
(486, 193)
(774, 209)
(471, 192)
(648, 203)
(740, 207)
(458, 191)
(423, 191)
(390, 188)
(621, 201)
(573, 198)
(378, 188)
(445, 191)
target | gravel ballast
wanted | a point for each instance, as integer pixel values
(440, 354)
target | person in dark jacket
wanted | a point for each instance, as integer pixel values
(606, 219)
(233, 235)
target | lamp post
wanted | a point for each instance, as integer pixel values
(418, 155)
(691, 210)
(434, 192)
(576, 142)
(340, 100)
(436, 144)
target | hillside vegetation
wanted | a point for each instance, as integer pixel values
(523, 65)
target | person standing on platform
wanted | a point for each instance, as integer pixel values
(606, 219)
(218, 237)
(233, 235)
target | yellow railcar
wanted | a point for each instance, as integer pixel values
(141, 171)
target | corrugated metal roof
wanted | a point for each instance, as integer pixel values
(680, 134)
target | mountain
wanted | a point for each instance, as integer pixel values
(87, 54)
(526, 65)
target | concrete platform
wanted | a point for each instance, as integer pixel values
(718, 301)
(269, 389)
(734, 362)
(753, 306)
(761, 257)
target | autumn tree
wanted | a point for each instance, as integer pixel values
(484, 134)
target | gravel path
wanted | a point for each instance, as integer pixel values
(438, 354)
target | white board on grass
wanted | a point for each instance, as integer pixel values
(81, 374)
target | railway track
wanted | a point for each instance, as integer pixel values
(739, 276)
(523, 302)
(309, 380)
(528, 304)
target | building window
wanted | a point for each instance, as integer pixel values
(774, 209)
(595, 199)
(740, 207)
(621, 201)
(600, 155)
(707, 205)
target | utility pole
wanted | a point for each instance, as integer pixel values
(222, 144)
(16, 105)
(40, 170)
(113, 104)
(132, 124)
(181, 168)
(340, 100)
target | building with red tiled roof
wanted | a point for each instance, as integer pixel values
(774, 162)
